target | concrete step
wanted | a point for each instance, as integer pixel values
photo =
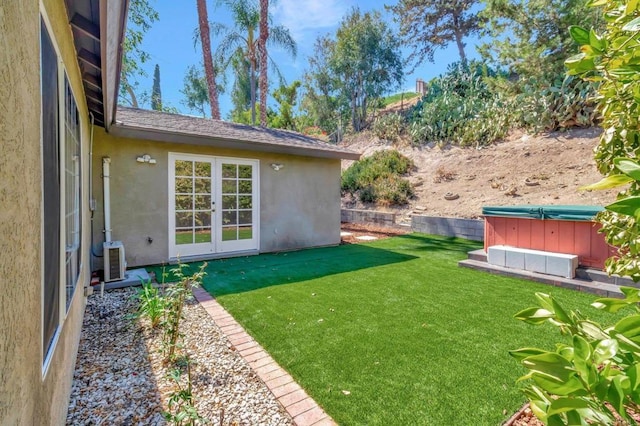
(479, 254)
(601, 276)
(600, 288)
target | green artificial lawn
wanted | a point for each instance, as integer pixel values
(411, 337)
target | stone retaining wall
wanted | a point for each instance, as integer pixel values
(368, 216)
(471, 229)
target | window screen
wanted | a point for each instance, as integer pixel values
(50, 187)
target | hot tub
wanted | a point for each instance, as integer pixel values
(559, 229)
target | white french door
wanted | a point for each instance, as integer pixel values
(213, 205)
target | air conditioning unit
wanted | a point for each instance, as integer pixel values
(114, 263)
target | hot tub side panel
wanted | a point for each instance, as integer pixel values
(559, 236)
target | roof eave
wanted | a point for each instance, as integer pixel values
(136, 132)
(113, 18)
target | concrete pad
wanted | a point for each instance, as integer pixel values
(132, 277)
(366, 238)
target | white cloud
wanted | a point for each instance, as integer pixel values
(303, 17)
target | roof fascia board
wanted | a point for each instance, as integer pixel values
(124, 131)
(113, 18)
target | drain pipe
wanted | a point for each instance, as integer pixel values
(106, 162)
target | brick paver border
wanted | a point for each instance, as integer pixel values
(300, 406)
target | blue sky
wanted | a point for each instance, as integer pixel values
(170, 41)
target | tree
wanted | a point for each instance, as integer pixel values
(321, 99)
(262, 50)
(242, 40)
(196, 91)
(286, 97)
(241, 90)
(156, 93)
(205, 38)
(140, 18)
(530, 38)
(427, 25)
(366, 61)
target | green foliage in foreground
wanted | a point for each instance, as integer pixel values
(378, 178)
(611, 58)
(413, 338)
(595, 377)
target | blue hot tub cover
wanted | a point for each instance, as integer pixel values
(578, 213)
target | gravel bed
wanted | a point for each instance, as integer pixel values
(120, 378)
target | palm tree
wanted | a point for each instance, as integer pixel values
(262, 48)
(209, 70)
(242, 40)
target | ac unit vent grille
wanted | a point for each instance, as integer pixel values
(114, 263)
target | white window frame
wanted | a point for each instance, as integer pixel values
(46, 353)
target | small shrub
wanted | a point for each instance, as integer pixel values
(151, 304)
(378, 178)
(176, 296)
(390, 127)
(181, 404)
(392, 190)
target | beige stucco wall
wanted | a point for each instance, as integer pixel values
(299, 204)
(26, 396)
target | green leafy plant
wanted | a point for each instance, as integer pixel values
(378, 178)
(176, 295)
(181, 404)
(151, 304)
(594, 378)
(389, 127)
(610, 58)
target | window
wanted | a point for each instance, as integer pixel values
(50, 188)
(61, 188)
(72, 191)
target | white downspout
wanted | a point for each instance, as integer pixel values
(106, 161)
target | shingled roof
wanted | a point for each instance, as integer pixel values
(177, 128)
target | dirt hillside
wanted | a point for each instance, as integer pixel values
(524, 169)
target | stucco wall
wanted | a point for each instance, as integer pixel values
(299, 204)
(26, 397)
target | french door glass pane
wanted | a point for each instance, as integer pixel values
(245, 233)
(203, 235)
(184, 236)
(244, 217)
(244, 187)
(203, 186)
(245, 172)
(229, 201)
(184, 202)
(229, 186)
(184, 185)
(229, 171)
(184, 168)
(229, 233)
(202, 169)
(203, 219)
